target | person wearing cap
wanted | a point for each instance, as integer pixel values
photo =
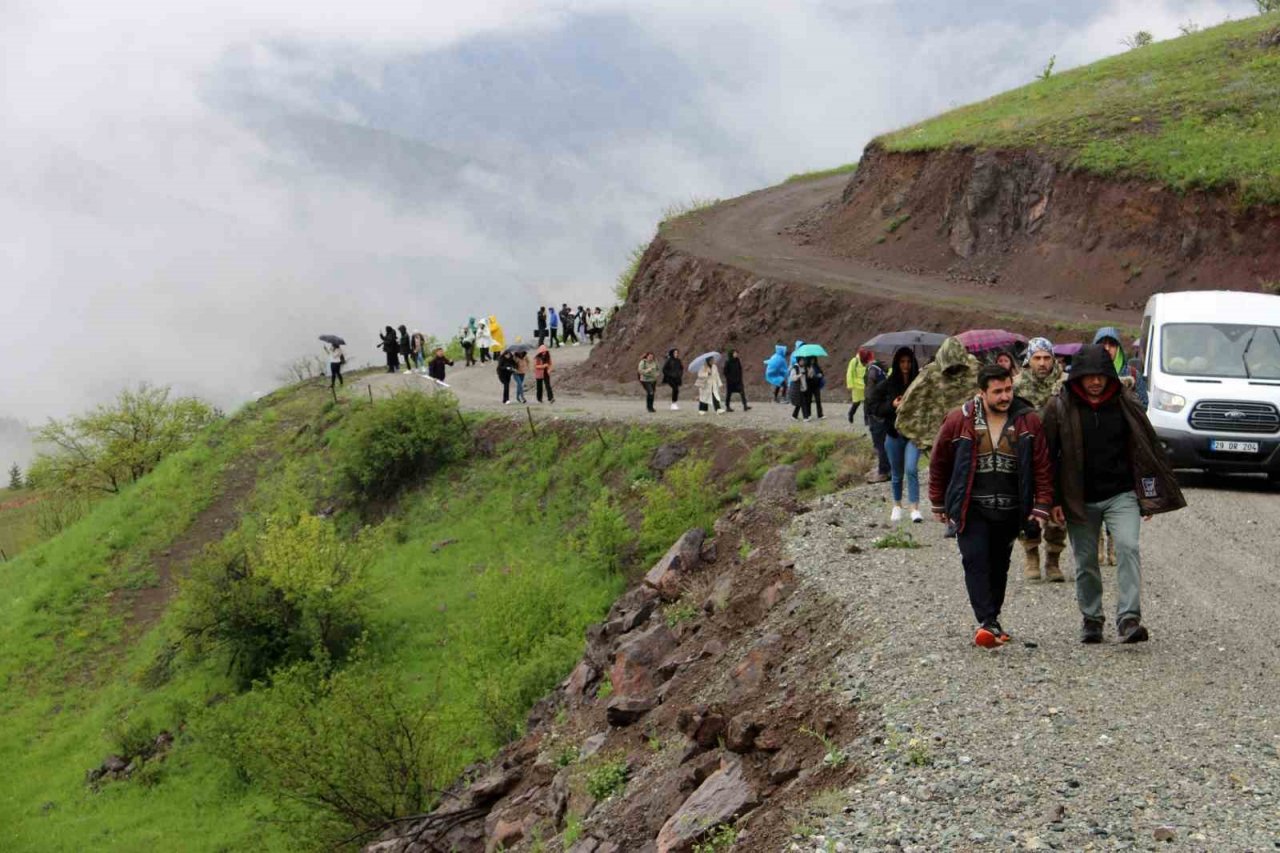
(1110, 470)
(1036, 383)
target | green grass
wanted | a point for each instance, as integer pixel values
(480, 627)
(845, 169)
(18, 527)
(1198, 111)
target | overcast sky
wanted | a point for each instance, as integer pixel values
(190, 192)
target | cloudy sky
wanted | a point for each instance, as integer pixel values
(191, 191)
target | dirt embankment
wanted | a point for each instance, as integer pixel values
(680, 300)
(1016, 218)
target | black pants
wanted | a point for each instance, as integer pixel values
(853, 410)
(802, 409)
(506, 387)
(815, 401)
(545, 381)
(713, 405)
(335, 373)
(675, 393)
(649, 389)
(393, 362)
(555, 336)
(469, 350)
(728, 400)
(878, 433)
(570, 334)
(778, 393)
(985, 547)
(484, 353)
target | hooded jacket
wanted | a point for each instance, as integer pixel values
(775, 369)
(390, 342)
(733, 373)
(944, 385)
(1064, 424)
(855, 378)
(895, 385)
(1110, 332)
(954, 462)
(1035, 390)
(672, 370)
(542, 363)
(495, 332)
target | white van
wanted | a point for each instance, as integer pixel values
(1211, 360)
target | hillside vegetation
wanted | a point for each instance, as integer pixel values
(371, 597)
(1197, 112)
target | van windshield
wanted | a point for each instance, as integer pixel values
(1225, 350)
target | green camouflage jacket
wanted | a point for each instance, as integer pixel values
(945, 384)
(1037, 391)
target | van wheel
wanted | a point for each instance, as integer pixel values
(1273, 477)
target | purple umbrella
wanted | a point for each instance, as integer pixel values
(1066, 349)
(984, 340)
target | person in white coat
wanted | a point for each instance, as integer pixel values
(710, 388)
(484, 340)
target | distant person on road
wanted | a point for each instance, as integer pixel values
(506, 370)
(990, 477)
(467, 337)
(1037, 382)
(798, 389)
(519, 370)
(647, 372)
(406, 349)
(710, 388)
(775, 371)
(817, 381)
(541, 332)
(419, 344)
(568, 321)
(855, 379)
(581, 315)
(484, 340)
(598, 323)
(542, 373)
(904, 454)
(1110, 469)
(553, 321)
(436, 369)
(733, 382)
(390, 344)
(337, 358)
(673, 376)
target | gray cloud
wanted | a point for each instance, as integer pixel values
(189, 193)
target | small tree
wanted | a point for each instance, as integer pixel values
(15, 477)
(1141, 38)
(1048, 68)
(1189, 28)
(1265, 6)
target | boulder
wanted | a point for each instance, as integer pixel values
(668, 574)
(777, 486)
(504, 835)
(725, 795)
(636, 662)
(667, 455)
(625, 710)
(750, 673)
(783, 767)
(493, 786)
(701, 724)
(114, 764)
(774, 593)
(741, 734)
(580, 680)
(592, 745)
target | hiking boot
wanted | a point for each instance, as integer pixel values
(1130, 630)
(986, 638)
(1052, 572)
(1031, 569)
(1091, 631)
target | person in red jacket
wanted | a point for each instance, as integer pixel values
(990, 477)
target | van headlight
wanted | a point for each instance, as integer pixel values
(1166, 402)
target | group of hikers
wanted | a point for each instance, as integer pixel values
(564, 325)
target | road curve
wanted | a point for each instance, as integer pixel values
(750, 232)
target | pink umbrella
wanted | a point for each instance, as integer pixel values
(1066, 349)
(985, 340)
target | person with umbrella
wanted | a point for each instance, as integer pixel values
(817, 380)
(647, 371)
(710, 386)
(390, 344)
(943, 385)
(506, 369)
(904, 454)
(733, 382)
(333, 346)
(542, 373)
(673, 376)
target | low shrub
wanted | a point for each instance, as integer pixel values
(397, 441)
(606, 538)
(681, 500)
(607, 779)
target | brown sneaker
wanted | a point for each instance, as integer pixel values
(1052, 572)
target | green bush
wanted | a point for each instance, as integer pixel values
(607, 779)
(296, 594)
(681, 500)
(606, 537)
(398, 441)
(340, 754)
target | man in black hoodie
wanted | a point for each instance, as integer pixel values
(1109, 469)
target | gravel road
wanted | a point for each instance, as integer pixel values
(1046, 743)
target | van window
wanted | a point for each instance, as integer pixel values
(1225, 350)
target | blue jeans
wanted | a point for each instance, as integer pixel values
(519, 378)
(904, 460)
(1123, 518)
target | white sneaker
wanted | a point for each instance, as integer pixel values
(674, 407)
(702, 411)
(896, 514)
(506, 402)
(916, 517)
(719, 411)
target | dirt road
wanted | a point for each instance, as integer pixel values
(750, 232)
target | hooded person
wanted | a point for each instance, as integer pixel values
(467, 337)
(943, 385)
(542, 373)
(904, 454)
(495, 332)
(673, 375)
(775, 370)
(1039, 380)
(484, 340)
(390, 344)
(798, 389)
(406, 349)
(1110, 470)
(792, 362)
(710, 388)
(1109, 338)
(733, 382)
(855, 379)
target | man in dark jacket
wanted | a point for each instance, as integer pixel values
(989, 475)
(733, 382)
(1110, 470)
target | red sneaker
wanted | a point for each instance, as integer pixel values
(986, 638)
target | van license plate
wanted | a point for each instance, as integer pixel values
(1234, 446)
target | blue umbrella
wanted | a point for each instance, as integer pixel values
(696, 364)
(810, 351)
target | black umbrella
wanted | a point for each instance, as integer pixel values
(889, 341)
(514, 348)
(333, 340)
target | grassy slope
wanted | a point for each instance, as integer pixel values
(1200, 111)
(67, 678)
(18, 528)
